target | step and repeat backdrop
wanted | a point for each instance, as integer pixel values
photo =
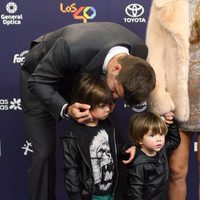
(22, 21)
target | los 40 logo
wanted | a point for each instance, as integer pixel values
(82, 13)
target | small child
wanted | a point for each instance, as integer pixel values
(148, 172)
(90, 162)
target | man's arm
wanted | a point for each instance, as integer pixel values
(79, 112)
(131, 151)
(44, 81)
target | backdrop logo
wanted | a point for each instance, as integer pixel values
(20, 58)
(10, 18)
(138, 108)
(11, 7)
(27, 148)
(83, 13)
(14, 104)
(134, 11)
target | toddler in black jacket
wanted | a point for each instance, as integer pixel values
(148, 172)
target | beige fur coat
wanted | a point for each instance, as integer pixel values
(167, 38)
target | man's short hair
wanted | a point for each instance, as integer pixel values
(137, 78)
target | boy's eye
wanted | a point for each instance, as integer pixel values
(101, 105)
(152, 135)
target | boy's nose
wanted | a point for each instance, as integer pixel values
(158, 137)
(107, 108)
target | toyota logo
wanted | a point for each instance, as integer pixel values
(134, 10)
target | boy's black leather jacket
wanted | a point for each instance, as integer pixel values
(148, 175)
(78, 175)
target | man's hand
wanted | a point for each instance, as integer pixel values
(131, 151)
(80, 112)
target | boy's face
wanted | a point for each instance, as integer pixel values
(101, 112)
(152, 142)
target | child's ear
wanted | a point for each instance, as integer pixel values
(140, 142)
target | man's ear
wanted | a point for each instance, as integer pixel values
(116, 68)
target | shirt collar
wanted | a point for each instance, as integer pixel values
(113, 52)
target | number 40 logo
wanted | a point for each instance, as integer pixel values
(82, 13)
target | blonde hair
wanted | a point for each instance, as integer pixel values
(195, 31)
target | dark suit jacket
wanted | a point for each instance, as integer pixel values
(57, 59)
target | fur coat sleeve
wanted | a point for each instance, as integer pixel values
(167, 39)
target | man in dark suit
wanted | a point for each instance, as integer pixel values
(54, 63)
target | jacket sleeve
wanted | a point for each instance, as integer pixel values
(170, 66)
(173, 137)
(44, 81)
(71, 167)
(136, 182)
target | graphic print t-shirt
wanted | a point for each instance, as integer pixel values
(101, 160)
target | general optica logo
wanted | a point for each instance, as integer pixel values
(9, 18)
(134, 13)
(11, 7)
(83, 13)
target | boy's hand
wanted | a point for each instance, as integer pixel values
(131, 151)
